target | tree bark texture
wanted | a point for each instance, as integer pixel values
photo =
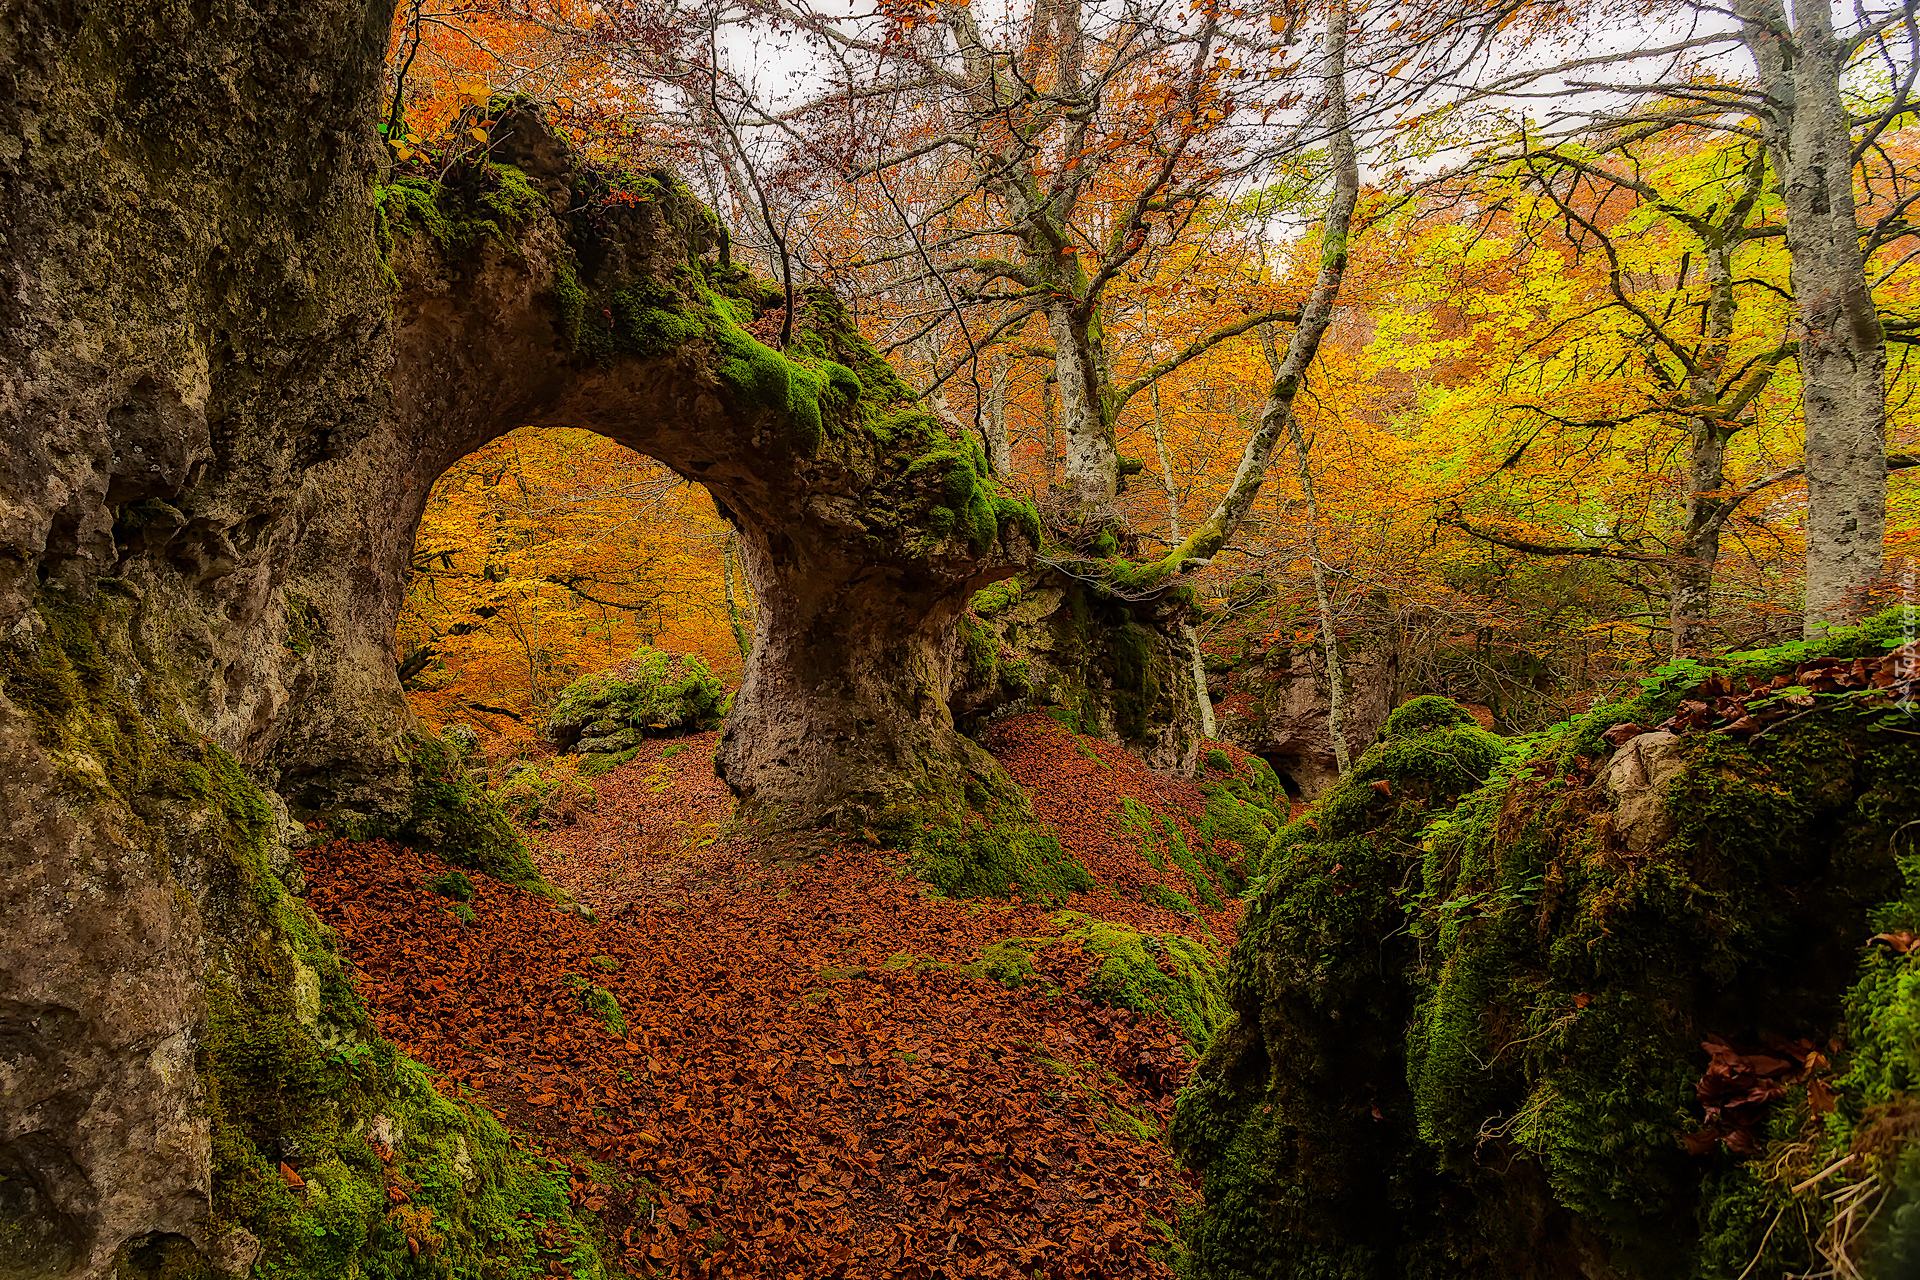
(1843, 353)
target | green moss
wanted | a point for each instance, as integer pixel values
(990, 848)
(655, 693)
(980, 650)
(1167, 975)
(599, 1002)
(1470, 959)
(453, 817)
(1425, 712)
(454, 884)
(303, 624)
(1009, 963)
(1218, 761)
(997, 598)
(548, 794)
(600, 764)
(1170, 899)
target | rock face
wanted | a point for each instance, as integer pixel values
(1275, 702)
(1637, 777)
(1475, 985)
(231, 367)
(1113, 670)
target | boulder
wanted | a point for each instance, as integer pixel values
(655, 693)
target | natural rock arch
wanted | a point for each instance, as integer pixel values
(228, 377)
(531, 291)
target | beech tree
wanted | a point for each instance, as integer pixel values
(1799, 102)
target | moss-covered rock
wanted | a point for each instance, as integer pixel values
(328, 1152)
(455, 818)
(990, 847)
(1471, 1016)
(1168, 976)
(1104, 665)
(655, 693)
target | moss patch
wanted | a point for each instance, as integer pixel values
(1167, 976)
(989, 850)
(1471, 1001)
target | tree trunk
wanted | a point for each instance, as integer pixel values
(1200, 697)
(1690, 597)
(1843, 353)
(1323, 605)
(1276, 416)
(1092, 467)
(994, 421)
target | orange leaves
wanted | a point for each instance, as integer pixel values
(525, 575)
(911, 1120)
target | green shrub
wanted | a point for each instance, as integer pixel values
(548, 794)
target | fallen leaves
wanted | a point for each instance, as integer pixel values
(1719, 705)
(757, 1119)
(1740, 1086)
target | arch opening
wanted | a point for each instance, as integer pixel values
(549, 555)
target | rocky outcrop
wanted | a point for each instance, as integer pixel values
(1109, 668)
(231, 367)
(1599, 1004)
(1274, 700)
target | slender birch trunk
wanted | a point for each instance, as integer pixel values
(1329, 637)
(1843, 350)
(1200, 698)
(994, 422)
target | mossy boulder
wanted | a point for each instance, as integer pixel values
(656, 693)
(990, 847)
(1471, 1010)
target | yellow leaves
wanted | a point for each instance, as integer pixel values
(546, 555)
(478, 135)
(475, 91)
(1278, 25)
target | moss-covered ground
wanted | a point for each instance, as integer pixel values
(1473, 990)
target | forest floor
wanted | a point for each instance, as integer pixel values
(817, 1075)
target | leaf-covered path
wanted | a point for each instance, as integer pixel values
(817, 1077)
